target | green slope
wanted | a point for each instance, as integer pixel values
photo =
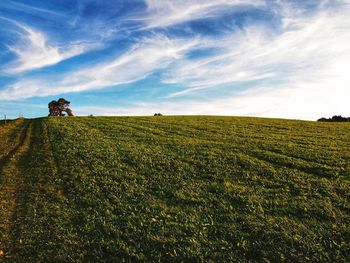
(181, 189)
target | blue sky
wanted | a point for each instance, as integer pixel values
(268, 58)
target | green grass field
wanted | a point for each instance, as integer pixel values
(174, 189)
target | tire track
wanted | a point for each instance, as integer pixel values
(11, 191)
(13, 152)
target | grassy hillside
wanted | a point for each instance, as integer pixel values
(2, 122)
(175, 189)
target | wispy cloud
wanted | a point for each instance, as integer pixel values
(303, 51)
(35, 51)
(143, 59)
(171, 12)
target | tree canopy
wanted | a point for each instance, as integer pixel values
(335, 118)
(57, 108)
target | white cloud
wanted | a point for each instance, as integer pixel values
(307, 50)
(164, 13)
(143, 59)
(30, 9)
(34, 51)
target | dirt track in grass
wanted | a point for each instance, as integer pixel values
(11, 193)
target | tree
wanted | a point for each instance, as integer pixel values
(335, 118)
(57, 108)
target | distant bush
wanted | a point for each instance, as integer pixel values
(158, 114)
(335, 118)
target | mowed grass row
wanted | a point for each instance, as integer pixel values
(187, 188)
(10, 134)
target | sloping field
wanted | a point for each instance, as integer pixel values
(192, 189)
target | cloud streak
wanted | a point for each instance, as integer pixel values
(143, 59)
(303, 51)
(34, 51)
(167, 13)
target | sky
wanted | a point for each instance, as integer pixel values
(264, 58)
